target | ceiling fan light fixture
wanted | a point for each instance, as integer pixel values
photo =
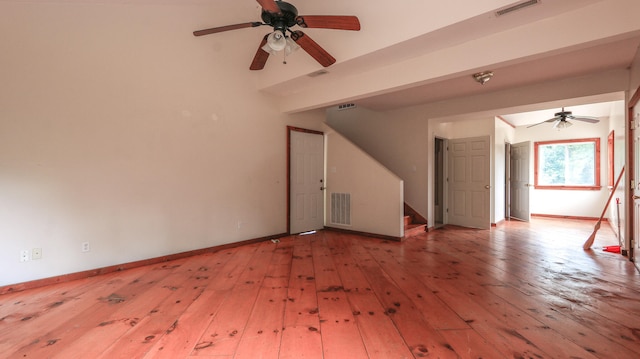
(563, 124)
(291, 46)
(282, 16)
(483, 77)
(276, 41)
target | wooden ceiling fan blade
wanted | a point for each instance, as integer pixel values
(312, 48)
(261, 56)
(336, 22)
(545, 121)
(269, 6)
(536, 124)
(588, 119)
(214, 30)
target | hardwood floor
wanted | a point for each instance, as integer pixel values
(521, 290)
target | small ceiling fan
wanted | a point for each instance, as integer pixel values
(560, 119)
(282, 16)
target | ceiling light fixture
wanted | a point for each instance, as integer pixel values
(562, 124)
(277, 41)
(483, 77)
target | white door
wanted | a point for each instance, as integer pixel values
(470, 182)
(306, 181)
(519, 181)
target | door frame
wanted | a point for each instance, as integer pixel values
(507, 181)
(631, 181)
(442, 176)
(510, 186)
(451, 183)
(288, 196)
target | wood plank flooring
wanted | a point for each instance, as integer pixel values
(521, 290)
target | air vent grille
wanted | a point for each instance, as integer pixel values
(517, 6)
(346, 106)
(341, 208)
(318, 73)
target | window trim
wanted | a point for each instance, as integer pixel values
(595, 140)
(611, 158)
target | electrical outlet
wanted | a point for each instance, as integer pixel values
(36, 253)
(85, 247)
(24, 255)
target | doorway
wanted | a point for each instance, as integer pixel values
(634, 173)
(439, 175)
(469, 184)
(305, 157)
(519, 159)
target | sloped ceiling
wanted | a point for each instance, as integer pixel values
(411, 53)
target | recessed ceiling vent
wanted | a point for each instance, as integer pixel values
(346, 106)
(318, 73)
(517, 6)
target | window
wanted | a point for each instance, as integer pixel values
(568, 164)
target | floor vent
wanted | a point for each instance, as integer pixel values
(341, 208)
(517, 6)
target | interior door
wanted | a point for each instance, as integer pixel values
(519, 181)
(306, 182)
(469, 200)
(439, 178)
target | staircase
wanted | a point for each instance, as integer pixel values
(414, 223)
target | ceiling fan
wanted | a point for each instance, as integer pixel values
(282, 16)
(560, 119)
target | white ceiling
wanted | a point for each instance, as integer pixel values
(599, 109)
(608, 56)
(614, 51)
(406, 31)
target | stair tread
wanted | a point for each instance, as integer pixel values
(414, 229)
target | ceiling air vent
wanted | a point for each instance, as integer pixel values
(517, 6)
(346, 106)
(318, 73)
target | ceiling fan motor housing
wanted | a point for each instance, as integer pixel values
(563, 114)
(284, 20)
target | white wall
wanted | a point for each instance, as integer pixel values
(121, 129)
(616, 214)
(376, 193)
(403, 141)
(396, 139)
(578, 203)
(634, 86)
(466, 126)
(634, 77)
(504, 134)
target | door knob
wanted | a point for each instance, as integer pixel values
(487, 186)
